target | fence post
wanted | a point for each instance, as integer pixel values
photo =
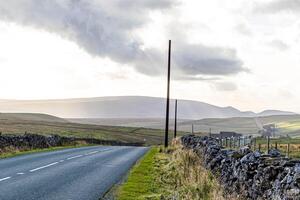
(268, 145)
(233, 142)
(288, 149)
(276, 145)
(244, 141)
(239, 142)
(259, 147)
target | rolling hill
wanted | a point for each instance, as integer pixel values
(125, 107)
(30, 117)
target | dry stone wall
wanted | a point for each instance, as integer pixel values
(34, 141)
(249, 174)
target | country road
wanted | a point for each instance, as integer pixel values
(85, 173)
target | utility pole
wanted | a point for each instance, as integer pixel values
(168, 97)
(268, 144)
(175, 123)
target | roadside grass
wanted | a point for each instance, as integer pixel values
(173, 173)
(16, 152)
(141, 183)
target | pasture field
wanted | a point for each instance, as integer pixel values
(125, 134)
(286, 124)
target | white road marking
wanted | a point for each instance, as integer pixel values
(74, 157)
(43, 167)
(3, 179)
(61, 161)
(91, 153)
(20, 173)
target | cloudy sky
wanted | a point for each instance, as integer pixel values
(239, 53)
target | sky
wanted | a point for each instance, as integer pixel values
(227, 53)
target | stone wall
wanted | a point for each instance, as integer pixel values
(34, 141)
(249, 174)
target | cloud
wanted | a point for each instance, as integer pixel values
(104, 29)
(278, 44)
(196, 59)
(243, 29)
(225, 86)
(279, 6)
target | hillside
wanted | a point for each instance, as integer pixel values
(125, 107)
(30, 117)
(287, 124)
(13, 124)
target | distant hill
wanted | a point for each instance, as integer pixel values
(274, 112)
(125, 107)
(30, 117)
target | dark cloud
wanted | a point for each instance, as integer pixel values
(195, 59)
(279, 6)
(104, 28)
(278, 44)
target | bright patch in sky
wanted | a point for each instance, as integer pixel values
(42, 63)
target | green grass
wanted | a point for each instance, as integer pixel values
(141, 183)
(19, 153)
(124, 134)
(171, 173)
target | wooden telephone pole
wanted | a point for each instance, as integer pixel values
(175, 123)
(168, 97)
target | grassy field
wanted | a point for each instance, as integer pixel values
(18, 126)
(170, 174)
(287, 124)
(282, 145)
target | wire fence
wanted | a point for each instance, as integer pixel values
(289, 147)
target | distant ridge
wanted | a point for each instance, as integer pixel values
(30, 117)
(126, 107)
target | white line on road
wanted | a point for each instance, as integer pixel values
(74, 157)
(3, 179)
(20, 173)
(61, 161)
(43, 167)
(91, 153)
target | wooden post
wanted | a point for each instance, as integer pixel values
(234, 142)
(259, 147)
(239, 141)
(175, 123)
(268, 144)
(288, 149)
(168, 97)
(226, 143)
(276, 145)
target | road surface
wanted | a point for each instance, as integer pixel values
(85, 173)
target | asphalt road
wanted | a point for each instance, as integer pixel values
(85, 173)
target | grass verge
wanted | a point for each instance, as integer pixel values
(141, 183)
(16, 152)
(172, 173)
